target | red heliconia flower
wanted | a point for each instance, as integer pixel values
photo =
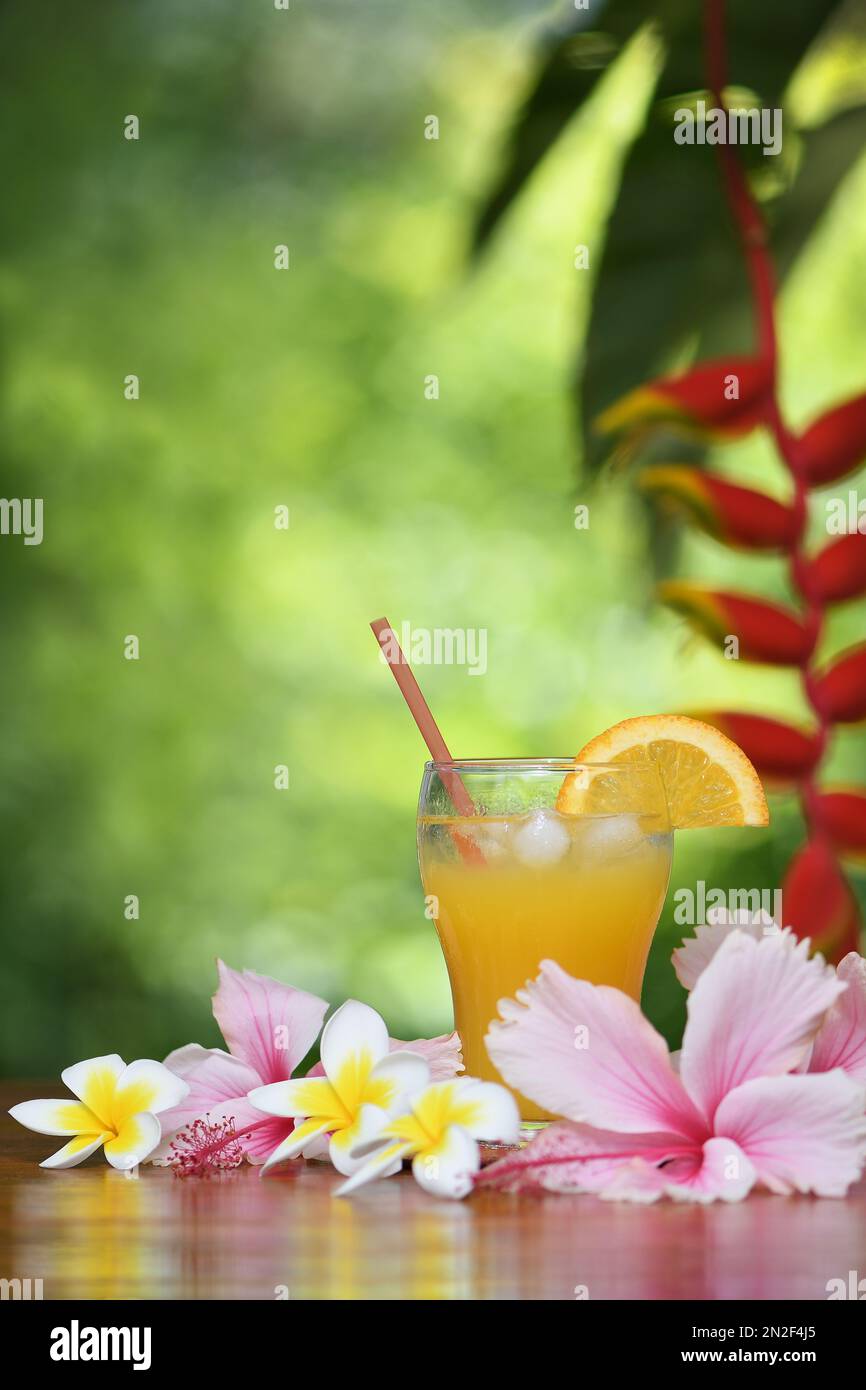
(739, 516)
(843, 817)
(838, 572)
(840, 691)
(781, 753)
(765, 631)
(727, 398)
(835, 443)
(817, 902)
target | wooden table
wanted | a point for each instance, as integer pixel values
(90, 1232)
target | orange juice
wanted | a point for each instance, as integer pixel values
(585, 891)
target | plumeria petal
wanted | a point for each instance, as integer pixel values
(587, 1052)
(138, 1136)
(486, 1111)
(76, 1151)
(298, 1099)
(318, 1148)
(395, 1078)
(448, 1169)
(385, 1159)
(56, 1117)
(841, 1040)
(802, 1133)
(353, 1041)
(366, 1128)
(269, 1026)
(94, 1081)
(443, 1055)
(697, 951)
(146, 1085)
(753, 1012)
(294, 1145)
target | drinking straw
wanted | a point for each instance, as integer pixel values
(421, 713)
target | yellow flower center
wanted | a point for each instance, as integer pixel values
(433, 1113)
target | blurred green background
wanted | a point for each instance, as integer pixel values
(305, 388)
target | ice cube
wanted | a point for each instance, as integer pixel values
(609, 835)
(542, 839)
(491, 846)
(490, 836)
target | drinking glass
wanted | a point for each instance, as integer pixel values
(511, 881)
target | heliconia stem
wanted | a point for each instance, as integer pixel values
(840, 694)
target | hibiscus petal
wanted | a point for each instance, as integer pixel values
(56, 1117)
(802, 1133)
(138, 1136)
(214, 1078)
(636, 1181)
(720, 1172)
(753, 1012)
(269, 1026)
(841, 1040)
(696, 952)
(443, 1055)
(587, 1052)
(76, 1151)
(260, 1142)
(146, 1085)
(448, 1169)
(567, 1157)
(94, 1082)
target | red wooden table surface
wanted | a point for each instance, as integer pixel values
(90, 1232)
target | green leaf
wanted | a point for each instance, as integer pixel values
(672, 284)
(573, 60)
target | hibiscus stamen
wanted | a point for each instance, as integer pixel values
(205, 1147)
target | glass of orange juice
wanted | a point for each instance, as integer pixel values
(517, 882)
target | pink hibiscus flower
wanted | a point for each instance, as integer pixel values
(841, 1039)
(735, 1114)
(269, 1028)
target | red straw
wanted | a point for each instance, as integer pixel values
(420, 711)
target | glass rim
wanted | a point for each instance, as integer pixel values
(560, 765)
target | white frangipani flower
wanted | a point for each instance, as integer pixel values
(440, 1134)
(363, 1086)
(116, 1107)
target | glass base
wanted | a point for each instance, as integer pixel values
(528, 1130)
